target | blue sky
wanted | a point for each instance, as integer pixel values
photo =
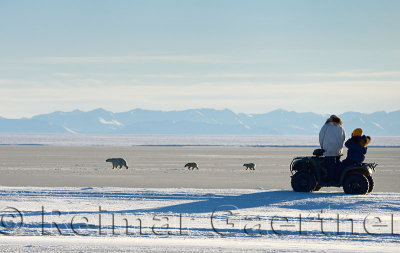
(248, 56)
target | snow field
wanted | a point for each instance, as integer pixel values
(184, 219)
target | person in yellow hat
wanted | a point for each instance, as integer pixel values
(356, 149)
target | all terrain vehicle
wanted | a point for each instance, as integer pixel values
(309, 174)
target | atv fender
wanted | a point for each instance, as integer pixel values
(366, 171)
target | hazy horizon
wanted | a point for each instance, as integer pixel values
(161, 110)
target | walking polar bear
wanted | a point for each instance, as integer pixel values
(192, 166)
(117, 162)
(250, 166)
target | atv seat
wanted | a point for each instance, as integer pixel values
(318, 152)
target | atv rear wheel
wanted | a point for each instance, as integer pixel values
(356, 183)
(303, 181)
(371, 184)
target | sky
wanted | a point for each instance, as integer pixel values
(249, 56)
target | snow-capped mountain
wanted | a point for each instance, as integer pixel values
(198, 121)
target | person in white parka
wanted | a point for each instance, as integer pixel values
(331, 139)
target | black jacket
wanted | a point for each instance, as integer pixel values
(356, 151)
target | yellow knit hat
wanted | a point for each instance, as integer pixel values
(357, 132)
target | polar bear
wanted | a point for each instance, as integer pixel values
(117, 162)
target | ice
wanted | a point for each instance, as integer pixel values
(175, 140)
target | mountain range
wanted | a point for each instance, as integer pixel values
(198, 122)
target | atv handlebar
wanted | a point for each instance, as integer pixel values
(372, 165)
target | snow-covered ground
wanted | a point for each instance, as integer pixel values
(68, 199)
(196, 220)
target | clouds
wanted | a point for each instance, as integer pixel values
(125, 59)
(254, 91)
(205, 58)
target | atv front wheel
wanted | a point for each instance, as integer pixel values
(303, 181)
(356, 183)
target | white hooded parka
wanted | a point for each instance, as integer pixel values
(331, 139)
